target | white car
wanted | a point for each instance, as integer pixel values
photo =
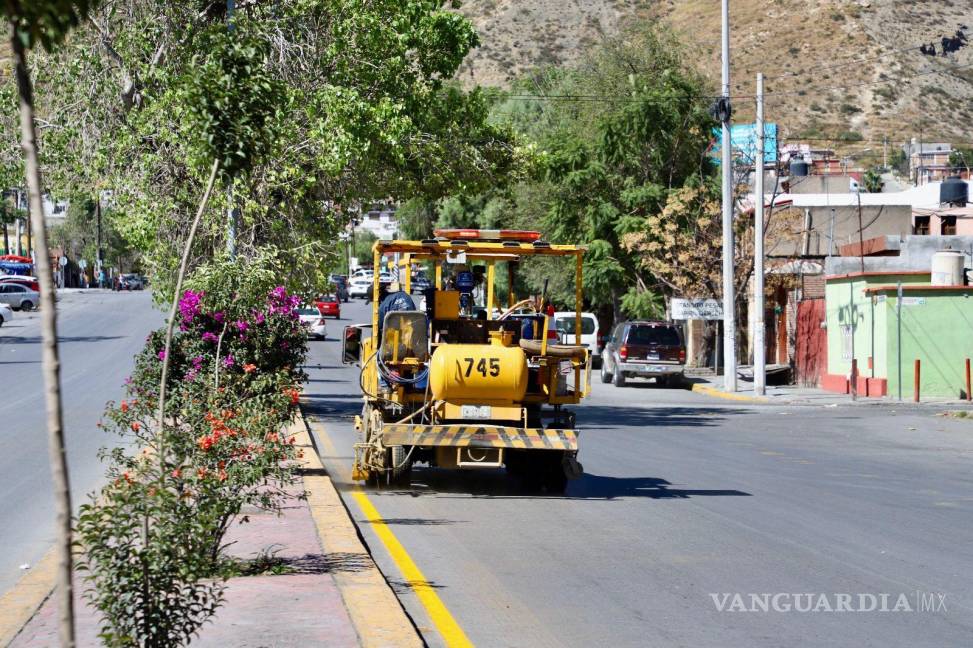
(19, 297)
(6, 314)
(360, 286)
(312, 318)
(564, 321)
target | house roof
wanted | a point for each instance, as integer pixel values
(884, 273)
(922, 288)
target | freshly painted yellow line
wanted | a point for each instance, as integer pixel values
(451, 632)
(718, 393)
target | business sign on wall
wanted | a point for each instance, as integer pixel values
(702, 309)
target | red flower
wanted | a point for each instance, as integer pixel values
(249, 368)
(136, 426)
(177, 473)
(124, 407)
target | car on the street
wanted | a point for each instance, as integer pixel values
(644, 349)
(564, 323)
(23, 280)
(329, 306)
(340, 283)
(19, 297)
(313, 320)
(420, 283)
(131, 282)
(6, 314)
(360, 286)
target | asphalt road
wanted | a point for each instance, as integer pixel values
(99, 334)
(685, 497)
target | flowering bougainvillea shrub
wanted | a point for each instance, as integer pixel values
(152, 538)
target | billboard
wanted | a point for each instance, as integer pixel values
(744, 139)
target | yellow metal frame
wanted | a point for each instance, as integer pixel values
(490, 251)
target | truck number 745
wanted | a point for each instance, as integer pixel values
(481, 366)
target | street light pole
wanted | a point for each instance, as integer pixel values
(759, 348)
(729, 316)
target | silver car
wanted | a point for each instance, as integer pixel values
(19, 297)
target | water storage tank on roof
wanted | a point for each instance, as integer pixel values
(947, 268)
(954, 191)
(799, 167)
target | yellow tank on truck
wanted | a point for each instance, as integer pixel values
(478, 373)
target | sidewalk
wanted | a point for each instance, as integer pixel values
(799, 395)
(307, 605)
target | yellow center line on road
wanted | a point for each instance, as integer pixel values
(438, 613)
(451, 632)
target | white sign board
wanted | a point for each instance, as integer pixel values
(703, 309)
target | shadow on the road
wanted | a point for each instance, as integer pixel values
(332, 406)
(593, 417)
(413, 521)
(604, 487)
(405, 587)
(497, 484)
(62, 339)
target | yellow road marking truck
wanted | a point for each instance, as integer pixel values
(459, 381)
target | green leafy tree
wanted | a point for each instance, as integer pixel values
(961, 158)
(872, 180)
(339, 129)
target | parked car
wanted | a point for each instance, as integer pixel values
(19, 297)
(361, 286)
(420, 283)
(6, 314)
(313, 320)
(340, 283)
(131, 282)
(644, 350)
(329, 306)
(564, 322)
(30, 282)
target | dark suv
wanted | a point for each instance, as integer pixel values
(644, 350)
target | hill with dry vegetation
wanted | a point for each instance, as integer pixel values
(835, 68)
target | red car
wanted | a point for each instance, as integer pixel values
(27, 282)
(329, 306)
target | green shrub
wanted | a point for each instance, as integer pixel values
(152, 540)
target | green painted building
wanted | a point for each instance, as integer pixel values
(862, 323)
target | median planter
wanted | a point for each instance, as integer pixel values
(153, 538)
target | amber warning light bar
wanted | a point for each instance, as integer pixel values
(488, 235)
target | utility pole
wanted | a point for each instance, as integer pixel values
(759, 346)
(98, 230)
(233, 214)
(885, 153)
(729, 315)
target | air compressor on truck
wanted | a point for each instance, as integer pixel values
(463, 383)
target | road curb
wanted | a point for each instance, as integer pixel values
(376, 613)
(20, 603)
(718, 393)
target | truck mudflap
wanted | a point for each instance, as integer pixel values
(479, 436)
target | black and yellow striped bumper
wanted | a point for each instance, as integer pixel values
(479, 436)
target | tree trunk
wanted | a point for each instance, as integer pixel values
(51, 363)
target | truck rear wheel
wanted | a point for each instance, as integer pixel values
(399, 466)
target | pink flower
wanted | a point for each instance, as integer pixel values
(210, 337)
(162, 354)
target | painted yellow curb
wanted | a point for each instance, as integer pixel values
(719, 393)
(22, 601)
(374, 610)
